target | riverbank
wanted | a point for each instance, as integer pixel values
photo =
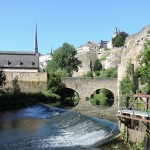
(117, 143)
(11, 101)
(122, 143)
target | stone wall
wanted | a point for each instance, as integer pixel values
(27, 76)
(85, 58)
(134, 45)
(28, 82)
(113, 57)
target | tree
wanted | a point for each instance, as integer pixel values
(2, 78)
(143, 71)
(127, 83)
(16, 87)
(54, 84)
(97, 65)
(64, 58)
(119, 40)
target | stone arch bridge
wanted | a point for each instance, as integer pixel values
(86, 86)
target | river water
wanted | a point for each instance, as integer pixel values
(40, 127)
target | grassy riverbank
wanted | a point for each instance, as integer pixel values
(11, 101)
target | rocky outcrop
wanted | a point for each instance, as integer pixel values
(112, 57)
(134, 45)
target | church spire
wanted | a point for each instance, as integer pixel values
(35, 41)
(51, 51)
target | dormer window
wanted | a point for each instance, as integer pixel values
(31, 63)
(18, 62)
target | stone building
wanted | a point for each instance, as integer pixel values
(18, 61)
(87, 54)
(103, 44)
(88, 47)
(24, 66)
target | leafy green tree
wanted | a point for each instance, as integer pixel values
(64, 58)
(16, 87)
(143, 71)
(2, 81)
(61, 73)
(54, 84)
(97, 66)
(119, 40)
(2, 78)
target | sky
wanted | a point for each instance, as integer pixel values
(72, 21)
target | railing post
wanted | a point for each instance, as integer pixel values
(127, 102)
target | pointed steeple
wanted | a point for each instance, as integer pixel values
(35, 41)
(51, 50)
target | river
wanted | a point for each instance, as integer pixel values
(40, 127)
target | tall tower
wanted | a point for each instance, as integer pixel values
(35, 40)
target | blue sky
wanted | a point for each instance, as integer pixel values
(72, 21)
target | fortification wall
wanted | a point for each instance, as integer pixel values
(113, 57)
(27, 76)
(85, 58)
(28, 82)
(134, 45)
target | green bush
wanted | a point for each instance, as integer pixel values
(111, 72)
(97, 73)
(10, 101)
(126, 85)
(97, 66)
(88, 74)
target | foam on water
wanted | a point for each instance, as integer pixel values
(43, 127)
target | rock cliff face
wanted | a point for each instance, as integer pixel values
(134, 45)
(112, 57)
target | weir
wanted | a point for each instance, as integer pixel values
(41, 127)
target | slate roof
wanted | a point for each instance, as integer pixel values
(13, 59)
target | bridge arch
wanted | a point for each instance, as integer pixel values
(70, 97)
(103, 98)
(86, 86)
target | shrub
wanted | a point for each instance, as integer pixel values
(111, 72)
(88, 74)
(126, 85)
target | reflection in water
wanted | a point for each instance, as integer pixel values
(39, 127)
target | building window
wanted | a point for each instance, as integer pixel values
(31, 63)
(18, 62)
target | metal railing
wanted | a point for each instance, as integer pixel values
(137, 104)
